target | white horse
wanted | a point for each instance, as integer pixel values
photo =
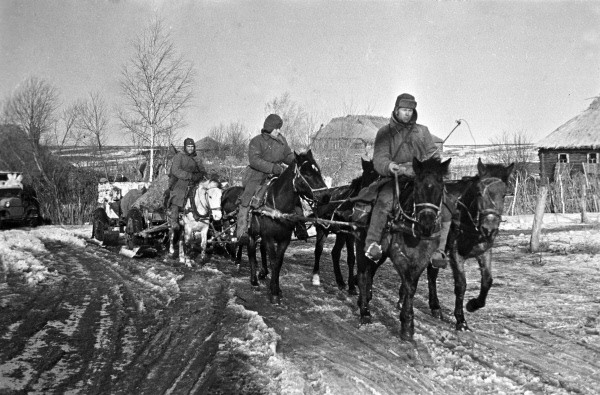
(207, 199)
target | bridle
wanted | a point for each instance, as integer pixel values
(205, 204)
(485, 195)
(298, 177)
(418, 208)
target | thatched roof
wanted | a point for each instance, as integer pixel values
(207, 144)
(583, 131)
(355, 127)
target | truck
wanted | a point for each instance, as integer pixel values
(18, 205)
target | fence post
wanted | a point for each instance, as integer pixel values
(534, 244)
(584, 218)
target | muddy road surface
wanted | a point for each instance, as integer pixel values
(110, 324)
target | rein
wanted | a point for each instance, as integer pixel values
(298, 175)
(205, 204)
(427, 207)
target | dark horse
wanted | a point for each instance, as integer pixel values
(269, 222)
(339, 208)
(229, 201)
(409, 241)
(477, 213)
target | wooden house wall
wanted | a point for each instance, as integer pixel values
(577, 159)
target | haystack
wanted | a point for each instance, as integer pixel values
(153, 199)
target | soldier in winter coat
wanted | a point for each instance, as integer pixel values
(187, 170)
(395, 146)
(266, 154)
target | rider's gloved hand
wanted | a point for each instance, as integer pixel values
(399, 169)
(277, 169)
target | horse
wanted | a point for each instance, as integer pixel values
(476, 220)
(207, 204)
(409, 241)
(339, 208)
(272, 221)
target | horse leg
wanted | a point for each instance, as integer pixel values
(203, 242)
(407, 314)
(336, 253)
(319, 242)
(363, 274)
(485, 267)
(252, 261)
(184, 243)
(276, 254)
(264, 271)
(434, 303)
(460, 286)
(172, 237)
(351, 261)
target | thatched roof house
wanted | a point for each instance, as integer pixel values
(573, 146)
(208, 144)
(355, 131)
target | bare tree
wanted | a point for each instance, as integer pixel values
(298, 126)
(512, 147)
(157, 84)
(32, 108)
(92, 121)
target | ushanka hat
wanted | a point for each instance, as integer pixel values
(406, 101)
(272, 122)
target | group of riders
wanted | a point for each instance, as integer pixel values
(396, 144)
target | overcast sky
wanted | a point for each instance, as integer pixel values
(514, 66)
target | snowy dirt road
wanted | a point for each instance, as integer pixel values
(104, 323)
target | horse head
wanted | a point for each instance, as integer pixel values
(308, 181)
(208, 199)
(428, 193)
(491, 190)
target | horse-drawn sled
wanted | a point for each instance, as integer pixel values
(137, 211)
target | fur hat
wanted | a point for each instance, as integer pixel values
(189, 141)
(406, 101)
(272, 122)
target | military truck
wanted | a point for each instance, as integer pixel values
(18, 205)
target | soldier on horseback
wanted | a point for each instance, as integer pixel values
(266, 153)
(395, 146)
(187, 170)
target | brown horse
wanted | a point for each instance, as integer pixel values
(409, 239)
(270, 222)
(477, 215)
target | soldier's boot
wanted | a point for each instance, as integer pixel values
(241, 230)
(373, 249)
(438, 258)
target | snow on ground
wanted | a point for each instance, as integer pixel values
(23, 251)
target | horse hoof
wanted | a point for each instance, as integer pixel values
(365, 319)
(262, 276)
(316, 281)
(462, 327)
(352, 291)
(399, 305)
(341, 286)
(275, 299)
(407, 337)
(473, 305)
(254, 282)
(437, 313)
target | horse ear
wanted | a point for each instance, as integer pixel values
(509, 169)
(481, 168)
(446, 165)
(309, 154)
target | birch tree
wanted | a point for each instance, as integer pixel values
(157, 84)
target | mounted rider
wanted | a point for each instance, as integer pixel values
(395, 146)
(186, 171)
(266, 154)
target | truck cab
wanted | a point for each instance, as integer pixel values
(15, 206)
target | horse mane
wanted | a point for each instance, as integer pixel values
(432, 166)
(210, 184)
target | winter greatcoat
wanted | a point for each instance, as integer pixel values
(184, 165)
(399, 142)
(264, 151)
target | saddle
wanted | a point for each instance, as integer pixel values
(365, 200)
(258, 199)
